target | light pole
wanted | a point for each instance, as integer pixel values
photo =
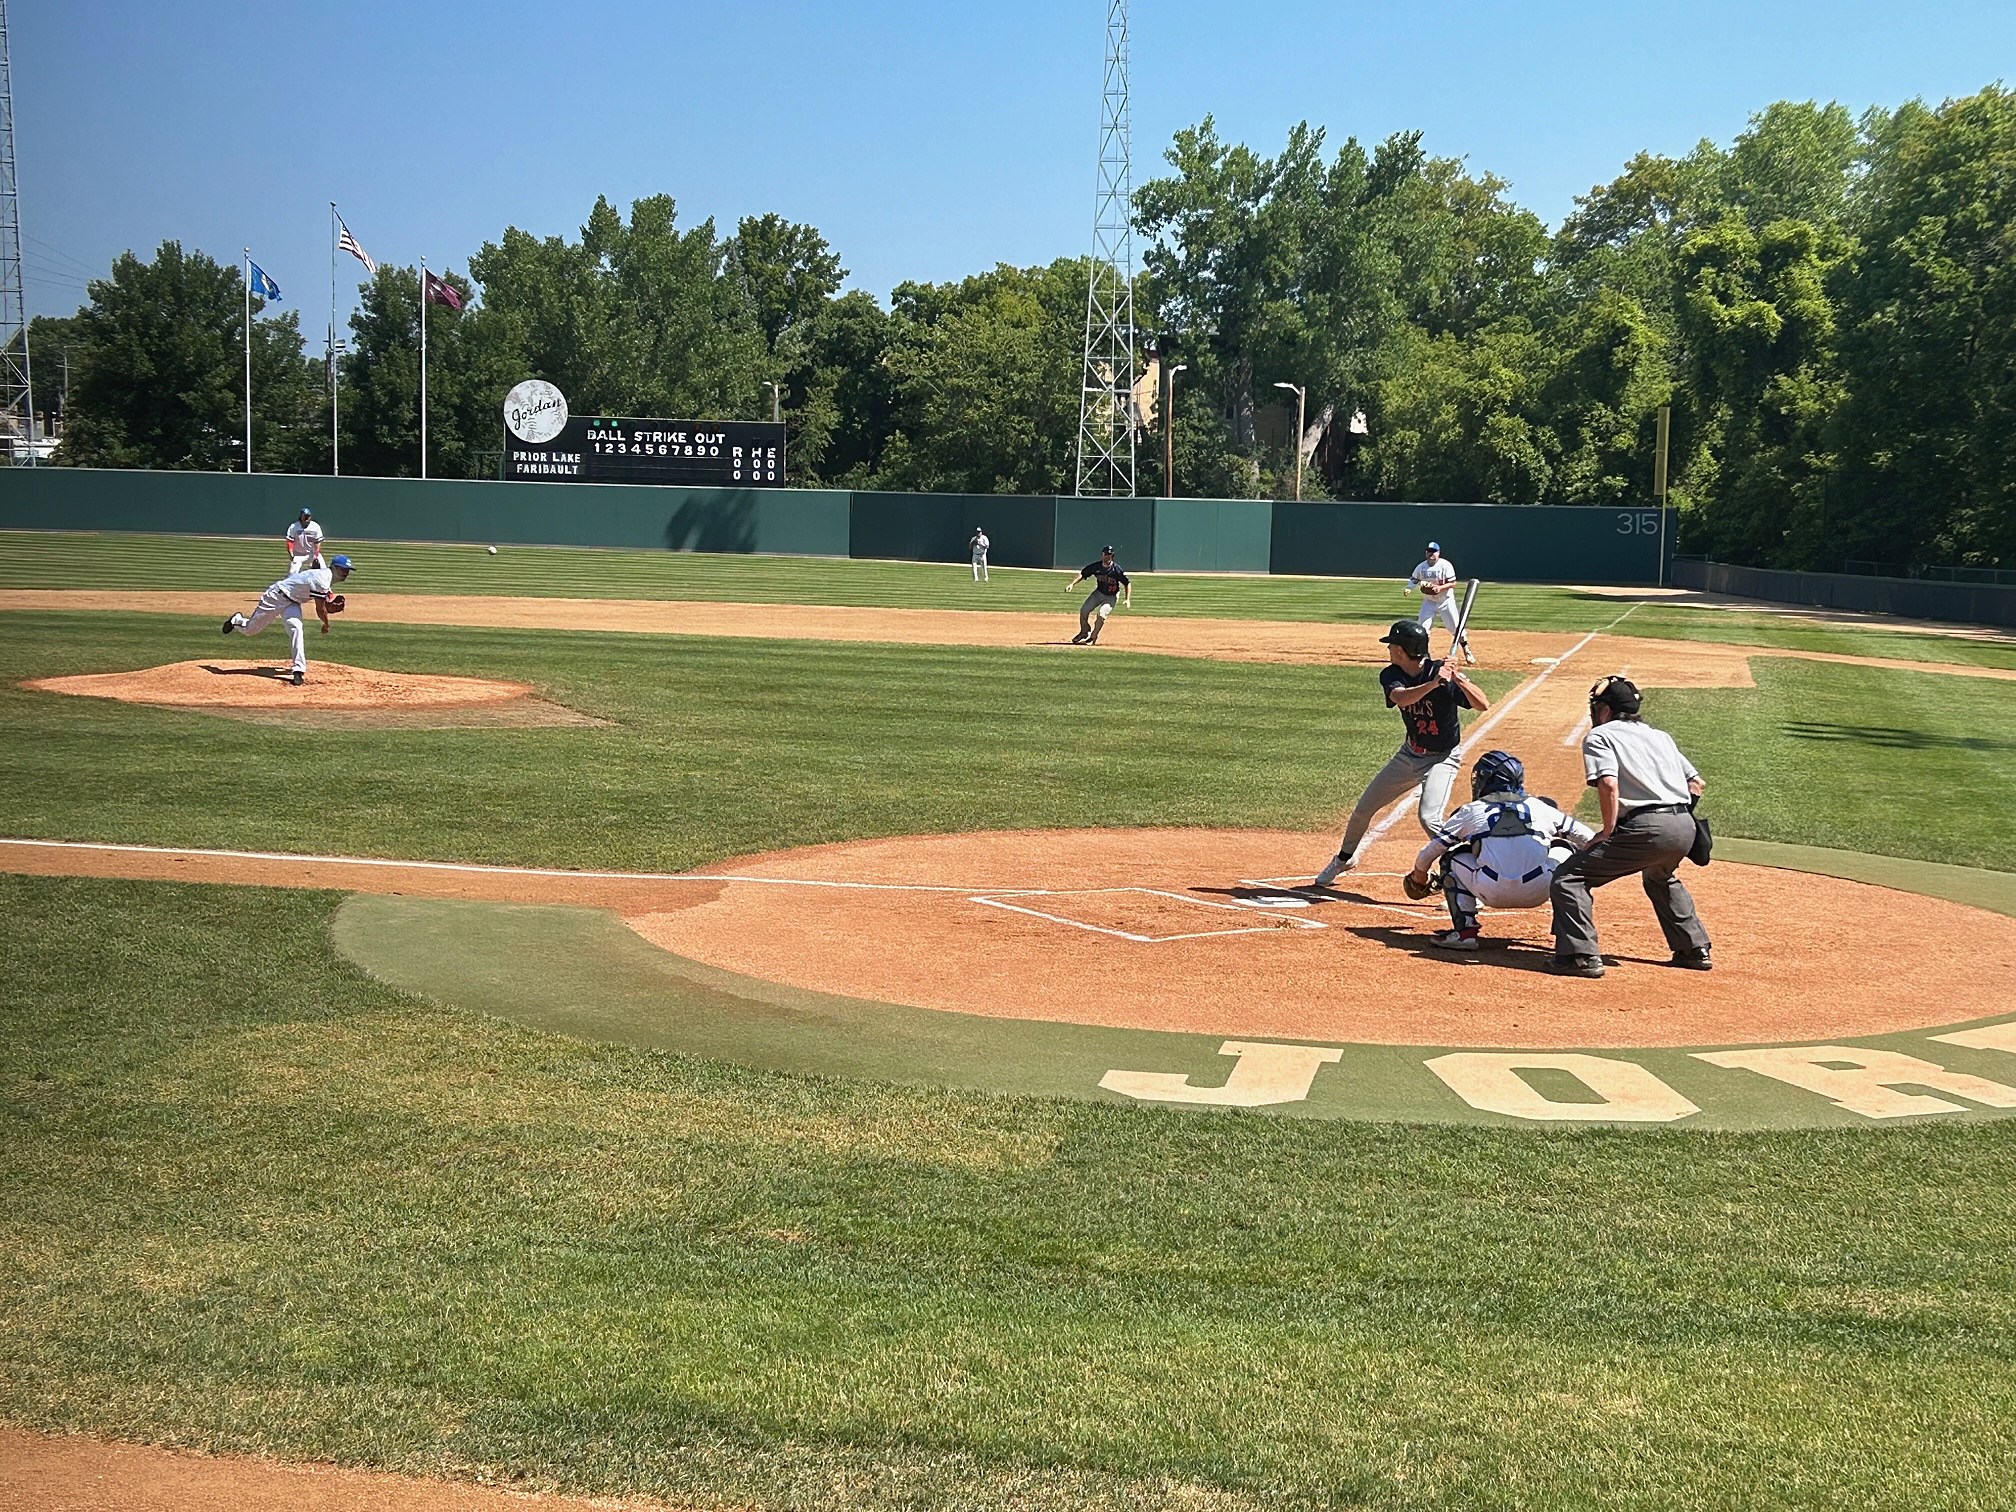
(1169, 428)
(1301, 403)
(776, 401)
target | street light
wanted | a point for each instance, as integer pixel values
(776, 401)
(1169, 429)
(1301, 403)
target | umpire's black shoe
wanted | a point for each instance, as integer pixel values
(1692, 960)
(1575, 966)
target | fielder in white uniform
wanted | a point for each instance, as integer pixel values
(304, 543)
(1435, 581)
(1500, 849)
(980, 543)
(283, 601)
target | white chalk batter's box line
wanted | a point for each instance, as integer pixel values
(1276, 921)
(1301, 888)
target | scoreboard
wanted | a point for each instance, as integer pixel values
(601, 449)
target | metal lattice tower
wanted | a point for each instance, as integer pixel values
(17, 391)
(1106, 419)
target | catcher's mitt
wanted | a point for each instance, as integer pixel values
(1416, 886)
(335, 603)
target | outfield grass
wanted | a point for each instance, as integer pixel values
(723, 747)
(257, 1202)
(141, 563)
(716, 747)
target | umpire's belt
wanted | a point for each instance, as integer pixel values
(1659, 808)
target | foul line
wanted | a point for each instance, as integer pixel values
(997, 900)
(479, 870)
(1379, 829)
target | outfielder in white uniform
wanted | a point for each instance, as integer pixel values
(1500, 849)
(980, 543)
(1435, 581)
(304, 543)
(283, 601)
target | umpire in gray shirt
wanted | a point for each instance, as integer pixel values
(1646, 790)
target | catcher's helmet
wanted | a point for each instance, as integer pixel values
(1409, 635)
(1498, 772)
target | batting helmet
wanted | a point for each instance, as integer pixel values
(1409, 635)
(1498, 772)
(1617, 694)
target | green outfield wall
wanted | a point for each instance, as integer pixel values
(1503, 542)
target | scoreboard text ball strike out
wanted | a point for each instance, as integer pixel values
(543, 442)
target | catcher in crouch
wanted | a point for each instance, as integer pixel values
(1499, 849)
(283, 601)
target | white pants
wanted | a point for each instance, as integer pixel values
(1442, 607)
(979, 566)
(1466, 885)
(273, 605)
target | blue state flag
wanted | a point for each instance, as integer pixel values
(263, 286)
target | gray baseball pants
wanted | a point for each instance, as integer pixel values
(1433, 772)
(1648, 845)
(1090, 620)
(274, 605)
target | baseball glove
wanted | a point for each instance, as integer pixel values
(335, 604)
(1417, 887)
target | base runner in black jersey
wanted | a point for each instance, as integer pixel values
(1109, 582)
(1429, 695)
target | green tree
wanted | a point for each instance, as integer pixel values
(160, 382)
(786, 273)
(1929, 433)
(841, 394)
(986, 377)
(472, 361)
(637, 318)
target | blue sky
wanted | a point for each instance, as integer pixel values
(925, 141)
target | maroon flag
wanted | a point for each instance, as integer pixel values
(443, 293)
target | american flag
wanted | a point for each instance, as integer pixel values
(348, 243)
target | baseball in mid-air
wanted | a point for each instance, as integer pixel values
(491, 549)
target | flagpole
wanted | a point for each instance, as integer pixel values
(423, 367)
(335, 434)
(248, 359)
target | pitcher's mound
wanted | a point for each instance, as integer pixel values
(333, 694)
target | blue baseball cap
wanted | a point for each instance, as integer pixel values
(1434, 545)
(340, 560)
(307, 514)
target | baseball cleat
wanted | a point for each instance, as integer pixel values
(1692, 960)
(231, 624)
(1456, 939)
(1078, 640)
(294, 677)
(1335, 868)
(1576, 966)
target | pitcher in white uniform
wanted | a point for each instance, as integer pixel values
(304, 543)
(283, 601)
(1435, 581)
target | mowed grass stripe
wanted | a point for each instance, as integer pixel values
(139, 563)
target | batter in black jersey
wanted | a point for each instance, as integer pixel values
(1110, 583)
(1433, 720)
(1430, 696)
